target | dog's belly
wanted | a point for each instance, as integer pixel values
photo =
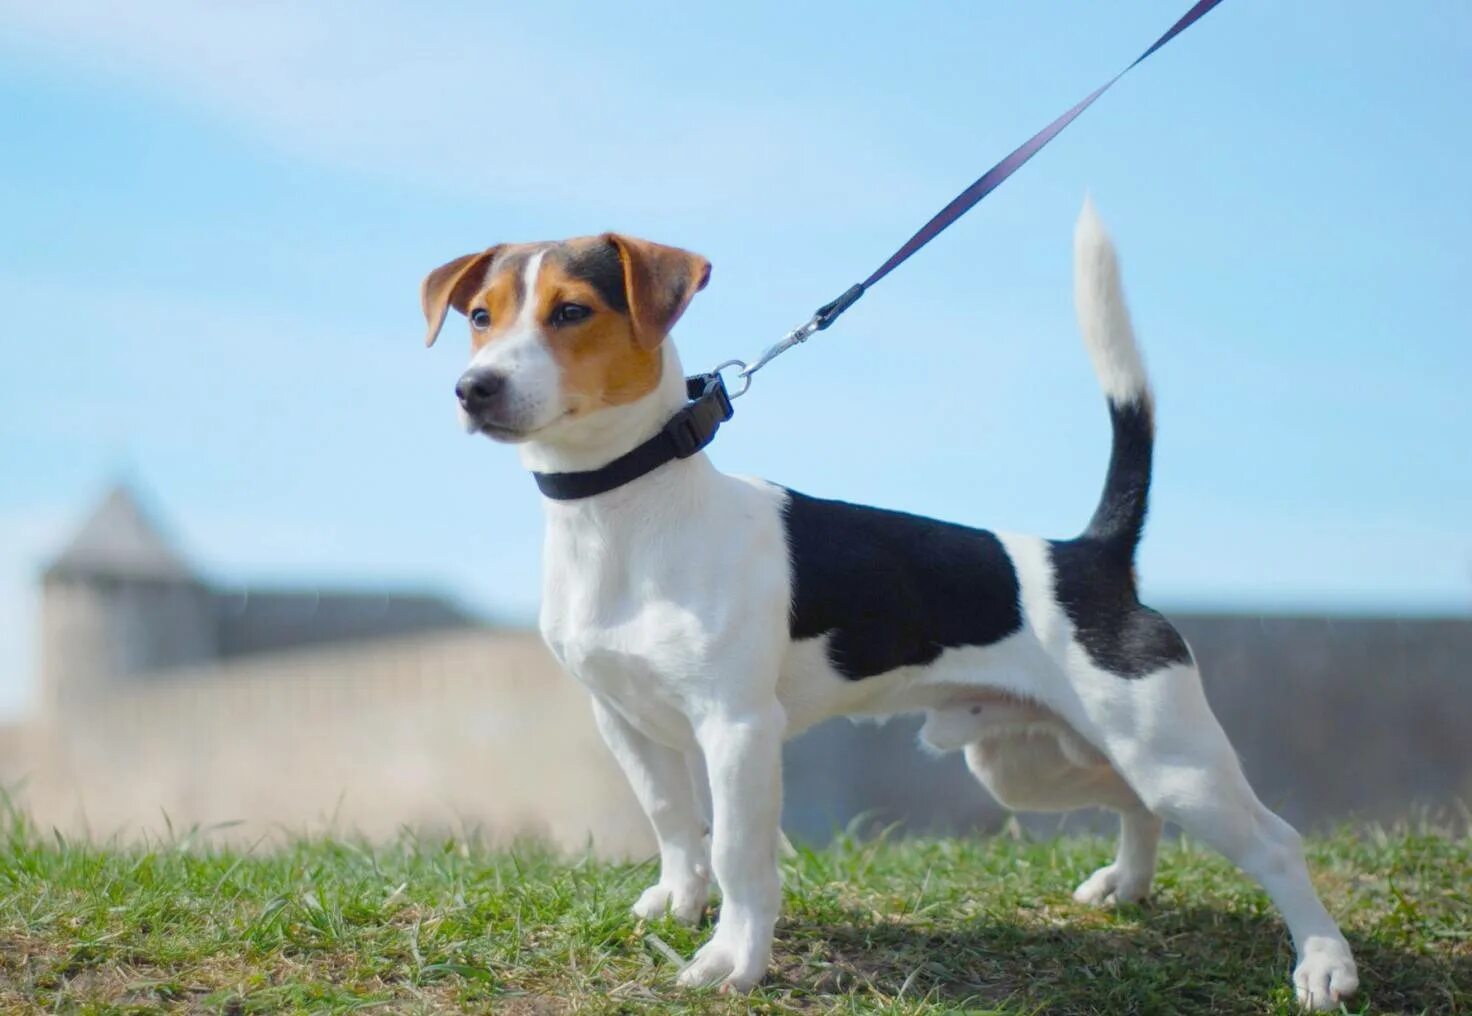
(983, 701)
(1016, 669)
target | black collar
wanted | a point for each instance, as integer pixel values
(688, 431)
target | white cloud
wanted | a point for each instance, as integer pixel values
(511, 119)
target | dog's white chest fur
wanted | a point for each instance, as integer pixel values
(638, 598)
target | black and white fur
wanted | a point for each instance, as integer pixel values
(712, 617)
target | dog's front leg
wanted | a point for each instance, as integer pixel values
(660, 778)
(743, 754)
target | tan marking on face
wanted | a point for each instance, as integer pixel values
(501, 293)
(601, 361)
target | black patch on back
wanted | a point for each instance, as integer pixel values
(1094, 581)
(891, 589)
(600, 266)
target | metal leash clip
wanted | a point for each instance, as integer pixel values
(822, 318)
(741, 373)
(792, 338)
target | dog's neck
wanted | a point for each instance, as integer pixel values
(594, 442)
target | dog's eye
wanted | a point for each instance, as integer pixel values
(570, 313)
(480, 319)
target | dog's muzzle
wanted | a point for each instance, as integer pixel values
(483, 396)
(479, 391)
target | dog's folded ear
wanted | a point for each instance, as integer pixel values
(452, 284)
(659, 281)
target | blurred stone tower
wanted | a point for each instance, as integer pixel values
(118, 604)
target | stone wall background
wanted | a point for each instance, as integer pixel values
(476, 729)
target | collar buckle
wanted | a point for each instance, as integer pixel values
(692, 428)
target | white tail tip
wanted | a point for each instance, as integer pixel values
(1103, 317)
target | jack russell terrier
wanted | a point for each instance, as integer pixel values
(714, 616)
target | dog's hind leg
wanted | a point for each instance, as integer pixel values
(1043, 770)
(1161, 735)
(1127, 879)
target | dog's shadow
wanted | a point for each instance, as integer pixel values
(1141, 960)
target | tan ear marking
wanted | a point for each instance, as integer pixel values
(659, 281)
(452, 284)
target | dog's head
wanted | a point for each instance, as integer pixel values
(559, 331)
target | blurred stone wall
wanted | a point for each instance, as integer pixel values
(479, 730)
(470, 731)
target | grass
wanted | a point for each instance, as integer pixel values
(445, 925)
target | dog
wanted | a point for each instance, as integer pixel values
(712, 616)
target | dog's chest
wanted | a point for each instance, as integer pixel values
(630, 668)
(671, 601)
(623, 626)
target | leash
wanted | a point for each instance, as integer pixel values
(962, 203)
(709, 405)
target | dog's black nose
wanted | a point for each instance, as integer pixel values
(476, 389)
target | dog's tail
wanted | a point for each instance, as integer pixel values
(1105, 322)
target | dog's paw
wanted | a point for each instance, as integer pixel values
(1325, 974)
(1110, 885)
(685, 902)
(724, 962)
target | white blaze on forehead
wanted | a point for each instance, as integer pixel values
(510, 347)
(527, 313)
(533, 393)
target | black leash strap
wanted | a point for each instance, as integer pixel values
(688, 431)
(968, 198)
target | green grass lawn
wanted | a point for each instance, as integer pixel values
(915, 926)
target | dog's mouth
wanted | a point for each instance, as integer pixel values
(512, 435)
(498, 432)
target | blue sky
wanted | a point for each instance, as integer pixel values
(214, 220)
